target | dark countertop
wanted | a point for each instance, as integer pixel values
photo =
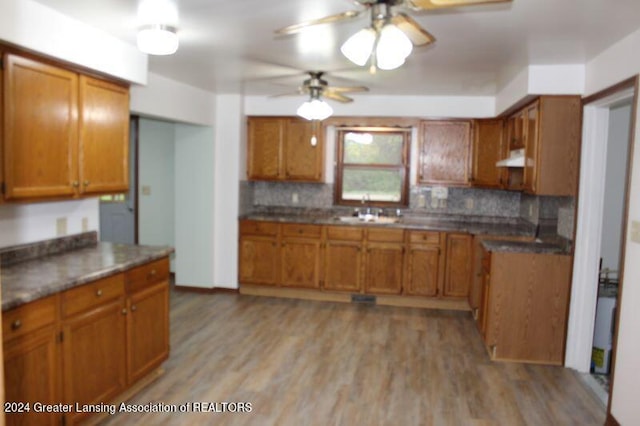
(475, 225)
(536, 247)
(29, 280)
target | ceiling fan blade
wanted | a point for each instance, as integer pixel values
(442, 4)
(326, 20)
(301, 91)
(348, 89)
(418, 35)
(328, 93)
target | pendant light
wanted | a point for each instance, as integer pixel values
(315, 108)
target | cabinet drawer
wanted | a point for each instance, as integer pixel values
(385, 235)
(256, 227)
(147, 274)
(425, 237)
(92, 294)
(293, 230)
(29, 317)
(344, 233)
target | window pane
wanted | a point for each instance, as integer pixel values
(380, 185)
(373, 148)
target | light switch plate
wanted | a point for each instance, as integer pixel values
(635, 231)
(146, 190)
(61, 226)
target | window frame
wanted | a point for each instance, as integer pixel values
(404, 168)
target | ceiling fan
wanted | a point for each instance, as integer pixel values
(317, 87)
(392, 34)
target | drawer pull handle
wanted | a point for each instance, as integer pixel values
(99, 293)
(16, 324)
(151, 274)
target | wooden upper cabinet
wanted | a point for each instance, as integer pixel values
(280, 148)
(552, 133)
(444, 152)
(264, 150)
(104, 136)
(64, 134)
(40, 129)
(488, 148)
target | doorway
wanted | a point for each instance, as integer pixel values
(119, 212)
(601, 218)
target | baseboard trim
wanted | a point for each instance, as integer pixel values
(319, 295)
(204, 290)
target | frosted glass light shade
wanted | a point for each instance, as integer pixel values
(393, 47)
(359, 46)
(315, 109)
(158, 40)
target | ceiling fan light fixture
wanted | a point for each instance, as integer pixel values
(315, 109)
(359, 46)
(158, 39)
(393, 47)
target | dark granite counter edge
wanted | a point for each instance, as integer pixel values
(42, 292)
(534, 247)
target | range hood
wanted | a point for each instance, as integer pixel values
(515, 159)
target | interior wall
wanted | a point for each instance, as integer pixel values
(22, 223)
(615, 180)
(156, 177)
(194, 205)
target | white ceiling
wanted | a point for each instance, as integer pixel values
(229, 46)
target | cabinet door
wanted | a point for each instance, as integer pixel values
(31, 370)
(488, 148)
(104, 136)
(531, 147)
(343, 266)
(300, 262)
(458, 266)
(264, 153)
(40, 129)
(444, 152)
(94, 356)
(423, 270)
(258, 260)
(383, 268)
(303, 161)
(147, 330)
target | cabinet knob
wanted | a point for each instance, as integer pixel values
(134, 308)
(86, 183)
(151, 274)
(75, 184)
(16, 324)
(124, 311)
(98, 292)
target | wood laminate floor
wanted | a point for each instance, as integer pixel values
(317, 363)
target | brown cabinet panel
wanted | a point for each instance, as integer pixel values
(531, 146)
(40, 129)
(264, 155)
(383, 268)
(104, 136)
(258, 260)
(32, 374)
(343, 266)
(27, 318)
(423, 271)
(488, 148)
(444, 152)
(303, 161)
(94, 355)
(458, 265)
(92, 294)
(147, 330)
(300, 262)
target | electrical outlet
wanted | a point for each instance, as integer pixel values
(146, 190)
(422, 201)
(530, 210)
(61, 226)
(294, 198)
(469, 203)
(85, 224)
(434, 202)
(440, 192)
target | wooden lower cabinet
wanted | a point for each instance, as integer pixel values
(384, 261)
(88, 344)
(258, 260)
(343, 259)
(93, 353)
(424, 264)
(458, 265)
(300, 256)
(524, 306)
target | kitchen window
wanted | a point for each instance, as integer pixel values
(372, 166)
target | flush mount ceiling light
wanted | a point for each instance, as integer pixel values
(158, 39)
(157, 31)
